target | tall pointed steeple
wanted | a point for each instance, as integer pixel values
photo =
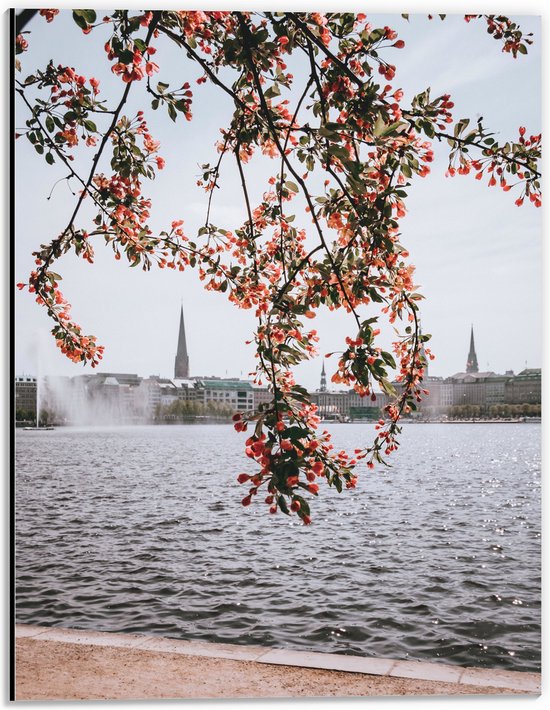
(471, 364)
(181, 367)
(323, 387)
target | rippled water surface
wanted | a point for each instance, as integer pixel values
(141, 530)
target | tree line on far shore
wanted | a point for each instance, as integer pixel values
(495, 411)
(182, 410)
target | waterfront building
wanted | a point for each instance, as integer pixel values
(478, 388)
(366, 407)
(147, 396)
(232, 392)
(345, 405)
(524, 388)
(261, 395)
(331, 405)
(126, 397)
(25, 395)
(439, 397)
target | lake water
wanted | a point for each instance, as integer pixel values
(140, 529)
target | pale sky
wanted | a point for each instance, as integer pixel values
(478, 256)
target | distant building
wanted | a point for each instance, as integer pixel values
(262, 395)
(331, 405)
(115, 397)
(478, 388)
(344, 405)
(367, 407)
(439, 397)
(25, 394)
(524, 388)
(234, 393)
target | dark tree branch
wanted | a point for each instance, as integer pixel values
(21, 20)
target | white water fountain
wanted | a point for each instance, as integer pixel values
(37, 426)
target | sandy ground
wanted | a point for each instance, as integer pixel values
(52, 670)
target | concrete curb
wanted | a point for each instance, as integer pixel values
(528, 683)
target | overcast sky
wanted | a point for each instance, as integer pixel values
(478, 256)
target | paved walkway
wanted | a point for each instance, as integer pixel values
(54, 663)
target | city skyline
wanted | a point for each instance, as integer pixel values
(182, 368)
(478, 256)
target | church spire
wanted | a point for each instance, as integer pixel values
(471, 364)
(181, 367)
(323, 387)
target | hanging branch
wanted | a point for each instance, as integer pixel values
(369, 146)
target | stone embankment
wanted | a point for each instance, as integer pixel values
(54, 663)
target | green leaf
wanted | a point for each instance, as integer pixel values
(79, 19)
(172, 112)
(386, 130)
(289, 185)
(90, 126)
(282, 505)
(304, 505)
(50, 159)
(461, 125)
(339, 152)
(89, 15)
(50, 125)
(126, 56)
(328, 133)
(294, 433)
(272, 91)
(428, 129)
(376, 35)
(387, 387)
